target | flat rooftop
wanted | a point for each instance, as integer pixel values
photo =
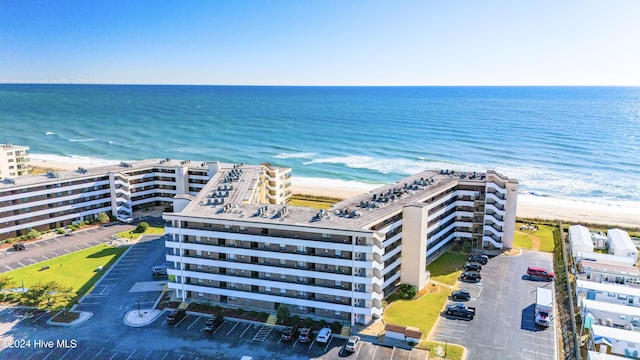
(71, 175)
(355, 213)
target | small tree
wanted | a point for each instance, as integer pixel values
(142, 227)
(51, 295)
(6, 282)
(283, 313)
(102, 218)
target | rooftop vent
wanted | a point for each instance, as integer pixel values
(53, 174)
(125, 164)
(82, 170)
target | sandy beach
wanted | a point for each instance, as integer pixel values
(529, 206)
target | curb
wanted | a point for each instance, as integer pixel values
(84, 316)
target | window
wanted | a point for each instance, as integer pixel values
(622, 297)
(267, 288)
(301, 308)
(281, 261)
(231, 285)
(200, 294)
(338, 298)
(197, 238)
(338, 313)
(199, 281)
(198, 252)
(338, 283)
(231, 256)
(283, 291)
(611, 294)
(267, 275)
(338, 252)
(199, 266)
(283, 276)
(282, 246)
(326, 236)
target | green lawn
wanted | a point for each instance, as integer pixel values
(77, 269)
(524, 239)
(152, 230)
(447, 267)
(437, 349)
(421, 313)
(521, 240)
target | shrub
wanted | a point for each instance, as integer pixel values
(406, 291)
(253, 314)
(32, 234)
(295, 319)
(60, 231)
(308, 322)
(217, 309)
(102, 218)
(336, 326)
(263, 315)
(2, 297)
(322, 324)
(283, 313)
(142, 227)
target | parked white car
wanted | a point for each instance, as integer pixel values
(125, 219)
(324, 335)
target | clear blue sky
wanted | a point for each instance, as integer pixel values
(321, 42)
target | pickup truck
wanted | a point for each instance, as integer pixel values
(461, 311)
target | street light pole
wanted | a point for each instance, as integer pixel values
(139, 313)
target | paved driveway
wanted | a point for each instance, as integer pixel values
(503, 327)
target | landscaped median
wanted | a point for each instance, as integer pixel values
(140, 230)
(423, 311)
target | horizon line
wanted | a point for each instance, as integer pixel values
(315, 85)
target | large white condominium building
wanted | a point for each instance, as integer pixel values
(58, 199)
(228, 248)
(14, 161)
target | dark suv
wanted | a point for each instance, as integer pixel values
(289, 333)
(213, 323)
(176, 316)
(461, 295)
(482, 259)
(18, 247)
(470, 276)
(472, 266)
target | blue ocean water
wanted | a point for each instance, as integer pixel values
(568, 142)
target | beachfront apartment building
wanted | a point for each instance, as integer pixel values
(14, 161)
(337, 264)
(57, 199)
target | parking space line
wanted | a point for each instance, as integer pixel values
(98, 354)
(280, 340)
(194, 321)
(313, 342)
(392, 351)
(295, 342)
(181, 320)
(32, 354)
(41, 315)
(234, 326)
(219, 327)
(149, 354)
(84, 351)
(21, 264)
(181, 356)
(327, 347)
(374, 352)
(134, 351)
(245, 330)
(49, 354)
(165, 355)
(65, 354)
(114, 355)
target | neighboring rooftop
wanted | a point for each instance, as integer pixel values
(100, 170)
(607, 287)
(620, 269)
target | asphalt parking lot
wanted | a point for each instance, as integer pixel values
(129, 283)
(503, 327)
(42, 250)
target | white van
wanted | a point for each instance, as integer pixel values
(125, 219)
